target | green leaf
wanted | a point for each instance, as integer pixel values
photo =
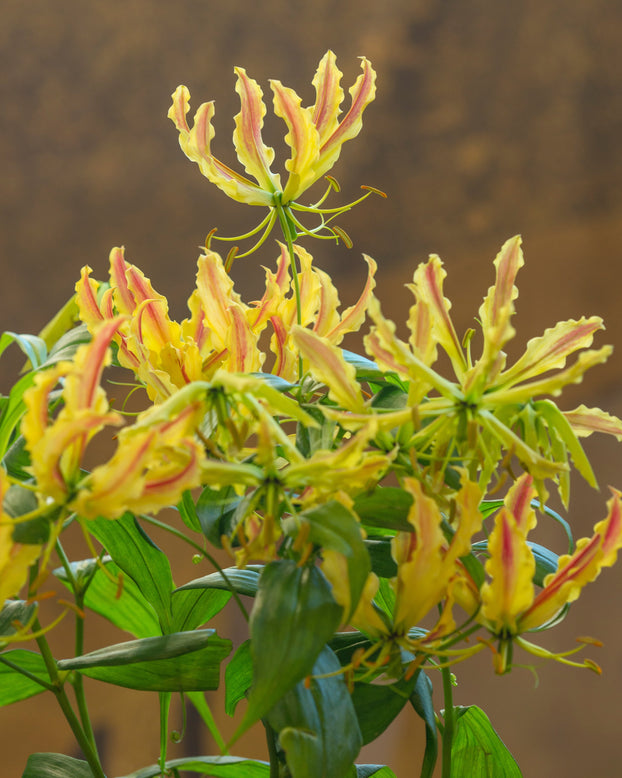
(184, 661)
(477, 750)
(124, 606)
(139, 558)
(31, 345)
(366, 370)
(143, 650)
(19, 501)
(15, 686)
(382, 562)
(377, 770)
(244, 581)
(293, 617)
(12, 411)
(238, 677)
(193, 608)
(188, 513)
(66, 346)
(215, 512)
(377, 705)
(56, 766)
(333, 526)
(387, 507)
(317, 726)
(15, 611)
(215, 766)
(390, 398)
(421, 700)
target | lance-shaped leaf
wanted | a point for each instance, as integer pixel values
(317, 726)
(293, 617)
(139, 558)
(422, 702)
(183, 661)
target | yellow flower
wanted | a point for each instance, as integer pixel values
(15, 558)
(428, 570)
(156, 460)
(509, 603)
(486, 410)
(57, 445)
(222, 331)
(315, 135)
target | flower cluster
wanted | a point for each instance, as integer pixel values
(350, 490)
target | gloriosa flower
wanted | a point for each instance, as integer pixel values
(509, 603)
(486, 409)
(157, 457)
(428, 569)
(315, 134)
(222, 332)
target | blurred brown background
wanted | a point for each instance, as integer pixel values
(491, 118)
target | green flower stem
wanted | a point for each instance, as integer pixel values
(449, 721)
(165, 704)
(77, 681)
(272, 752)
(286, 230)
(90, 753)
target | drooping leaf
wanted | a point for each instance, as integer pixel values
(317, 726)
(477, 750)
(15, 686)
(238, 677)
(139, 558)
(294, 615)
(56, 766)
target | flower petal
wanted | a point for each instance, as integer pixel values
(302, 138)
(251, 150)
(195, 144)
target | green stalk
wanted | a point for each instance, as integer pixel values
(77, 682)
(286, 230)
(449, 721)
(165, 704)
(89, 751)
(272, 752)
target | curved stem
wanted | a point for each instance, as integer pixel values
(449, 721)
(203, 552)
